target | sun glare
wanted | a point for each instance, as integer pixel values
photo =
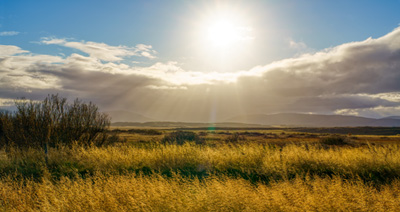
(223, 33)
(223, 38)
(225, 28)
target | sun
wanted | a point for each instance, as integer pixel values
(223, 33)
(222, 38)
(225, 28)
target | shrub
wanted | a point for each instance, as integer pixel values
(334, 140)
(53, 121)
(234, 138)
(110, 139)
(180, 137)
(202, 133)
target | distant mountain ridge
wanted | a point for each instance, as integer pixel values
(126, 116)
(314, 120)
(186, 125)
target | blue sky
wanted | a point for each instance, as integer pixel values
(166, 40)
(166, 24)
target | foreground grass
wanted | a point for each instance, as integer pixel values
(253, 162)
(158, 193)
(260, 173)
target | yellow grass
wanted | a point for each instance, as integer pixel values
(250, 175)
(372, 163)
(156, 193)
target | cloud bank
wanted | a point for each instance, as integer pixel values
(358, 78)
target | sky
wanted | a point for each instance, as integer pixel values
(205, 61)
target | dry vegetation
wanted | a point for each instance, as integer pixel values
(158, 193)
(155, 170)
(56, 156)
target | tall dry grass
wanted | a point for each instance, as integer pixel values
(158, 193)
(148, 175)
(254, 162)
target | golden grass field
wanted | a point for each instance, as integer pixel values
(227, 171)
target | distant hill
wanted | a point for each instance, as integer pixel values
(312, 120)
(186, 125)
(126, 116)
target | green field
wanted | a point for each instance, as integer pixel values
(200, 170)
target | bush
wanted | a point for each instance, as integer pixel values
(180, 137)
(53, 121)
(334, 140)
(110, 139)
(235, 138)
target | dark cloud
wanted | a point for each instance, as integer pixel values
(353, 78)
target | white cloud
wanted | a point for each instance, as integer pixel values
(8, 50)
(369, 66)
(53, 41)
(297, 45)
(172, 73)
(375, 112)
(359, 78)
(17, 69)
(103, 51)
(8, 33)
(390, 96)
(145, 51)
(164, 87)
(6, 102)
